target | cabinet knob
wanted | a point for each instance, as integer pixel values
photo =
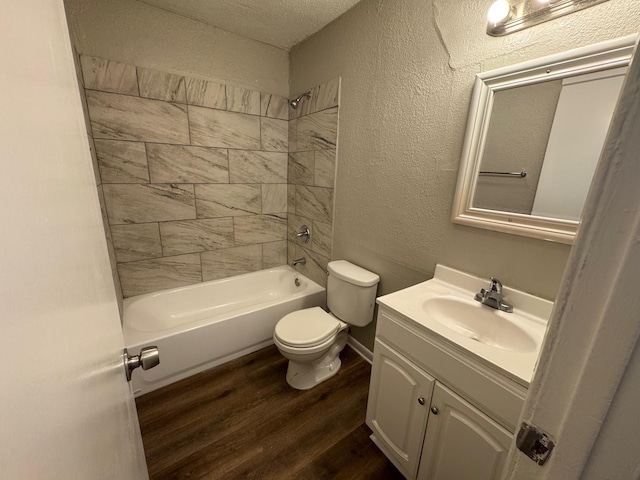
(421, 400)
(435, 410)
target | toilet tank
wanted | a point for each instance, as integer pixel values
(351, 292)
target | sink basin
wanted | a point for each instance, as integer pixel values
(480, 323)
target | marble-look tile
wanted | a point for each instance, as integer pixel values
(316, 266)
(190, 236)
(109, 76)
(301, 168)
(274, 254)
(257, 167)
(231, 261)
(252, 229)
(273, 106)
(228, 200)
(142, 203)
(243, 100)
(315, 203)
(161, 86)
(217, 128)
(293, 144)
(94, 158)
(318, 131)
(274, 198)
(206, 94)
(325, 95)
(325, 168)
(121, 117)
(182, 164)
(274, 135)
(321, 239)
(291, 198)
(136, 242)
(122, 162)
(152, 275)
(294, 225)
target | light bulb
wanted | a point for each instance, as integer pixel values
(500, 11)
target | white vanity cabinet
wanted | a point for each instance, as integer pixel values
(436, 414)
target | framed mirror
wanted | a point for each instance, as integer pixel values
(534, 137)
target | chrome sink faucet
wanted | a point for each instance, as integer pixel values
(493, 297)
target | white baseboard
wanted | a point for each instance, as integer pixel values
(363, 351)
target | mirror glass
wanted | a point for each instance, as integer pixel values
(535, 134)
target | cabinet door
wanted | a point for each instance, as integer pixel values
(461, 442)
(398, 404)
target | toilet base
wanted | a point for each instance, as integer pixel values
(306, 375)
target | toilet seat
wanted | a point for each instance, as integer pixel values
(307, 328)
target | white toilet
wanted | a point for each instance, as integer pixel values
(312, 339)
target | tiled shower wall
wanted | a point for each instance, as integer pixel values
(313, 132)
(194, 174)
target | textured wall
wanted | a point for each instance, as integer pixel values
(193, 174)
(407, 71)
(138, 34)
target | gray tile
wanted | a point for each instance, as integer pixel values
(252, 229)
(94, 159)
(274, 198)
(183, 164)
(231, 261)
(325, 168)
(217, 128)
(141, 203)
(301, 168)
(257, 167)
(291, 198)
(274, 254)
(274, 135)
(294, 225)
(161, 86)
(109, 76)
(189, 236)
(321, 238)
(292, 137)
(206, 94)
(273, 106)
(243, 100)
(325, 96)
(122, 162)
(315, 203)
(318, 130)
(136, 242)
(121, 117)
(152, 275)
(228, 200)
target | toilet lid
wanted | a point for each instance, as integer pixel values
(306, 328)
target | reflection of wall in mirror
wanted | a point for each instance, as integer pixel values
(521, 119)
(580, 126)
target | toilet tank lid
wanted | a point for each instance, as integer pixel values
(351, 273)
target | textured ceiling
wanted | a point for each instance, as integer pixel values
(281, 23)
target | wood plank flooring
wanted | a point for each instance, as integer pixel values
(243, 421)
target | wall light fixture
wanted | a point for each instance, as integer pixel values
(509, 16)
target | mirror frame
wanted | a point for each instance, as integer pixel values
(601, 56)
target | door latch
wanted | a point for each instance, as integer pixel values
(149, 357)
(534, 443)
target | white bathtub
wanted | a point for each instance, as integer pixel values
(207, 324)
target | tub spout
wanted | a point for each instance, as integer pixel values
(299, 261)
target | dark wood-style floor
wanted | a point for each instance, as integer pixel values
(242, 421)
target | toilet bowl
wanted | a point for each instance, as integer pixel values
(312, 339)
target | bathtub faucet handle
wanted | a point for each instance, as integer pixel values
(304, 234)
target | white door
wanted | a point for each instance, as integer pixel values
(397, 409)
(461, 442)
(66, 409)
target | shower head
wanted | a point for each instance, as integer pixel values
(296, 102)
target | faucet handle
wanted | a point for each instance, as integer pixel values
(496, 286)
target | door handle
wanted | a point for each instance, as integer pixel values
(149, 357)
